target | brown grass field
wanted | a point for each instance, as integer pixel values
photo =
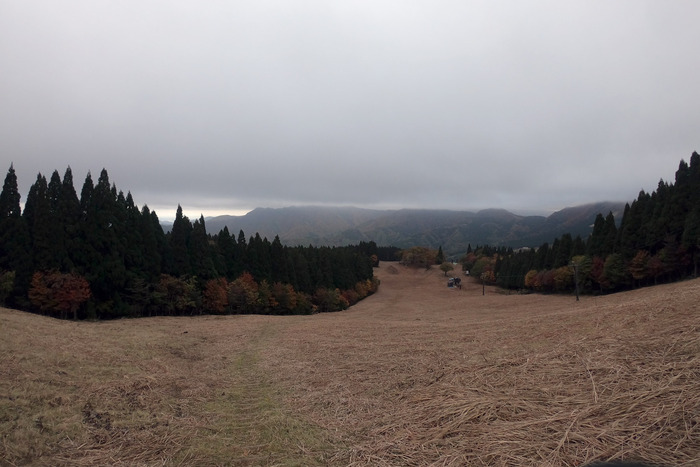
(417, 374)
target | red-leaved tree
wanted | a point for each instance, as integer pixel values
(54, 292)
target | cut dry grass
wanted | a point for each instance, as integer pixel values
(417, 374)
(454, 378)
(163, 391)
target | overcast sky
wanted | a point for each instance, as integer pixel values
(224, 106)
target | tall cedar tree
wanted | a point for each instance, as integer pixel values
(68, 210)
(200, 253)
(37, 214)
(102, 260)
(15, 243)
(179, 239)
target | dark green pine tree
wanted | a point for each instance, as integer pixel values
(162, 241)
(258, 258)
(540, 262)
(224, 253)
(10, 197)
(103, 250)
(549, 257)
(579, 247)
(678, 205)
(278, 260)
(363, 267)
(603, 239)
(152, 248)
(631, 235)
(691, 228)
(691, 237)
(594, 246)
(200, 252)
(302, 272)
(59, 254)
(86, 195)
(312, 259)
(84, 254)
(69, 211)
(563, 254)
(37, 212)
(694, 179)
(440, 258)
(291, 273)
(178, 243)
(132, 237)
(242, 249)
(343, 266)
(655, 225)
(610, 234)
(325, 268)
(15, 243)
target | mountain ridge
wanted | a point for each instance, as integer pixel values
(452, 230)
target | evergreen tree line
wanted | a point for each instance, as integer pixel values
(100, 256)
(657, 240)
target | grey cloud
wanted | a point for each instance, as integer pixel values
(460, 105)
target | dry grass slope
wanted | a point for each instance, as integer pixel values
(417, 374)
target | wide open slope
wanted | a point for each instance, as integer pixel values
(416, 374)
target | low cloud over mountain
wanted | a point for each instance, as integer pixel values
(453, 230)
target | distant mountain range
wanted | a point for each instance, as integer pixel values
(453, 230)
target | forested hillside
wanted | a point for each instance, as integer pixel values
(100, 256)
(658, 240)
(454, 231)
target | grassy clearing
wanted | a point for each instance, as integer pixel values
(417, 374)
(144, 392)
(248, 423)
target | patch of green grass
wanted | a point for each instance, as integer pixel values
(250, 425)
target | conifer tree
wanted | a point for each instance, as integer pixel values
(161, 240)
(37, 212)
(596, 240)
(440, 258)
(691, 228)
(655, 226)
(278, 261)
(153, 239)
(69, 202)
(610, 235)
(131, 234)
(15, 242)
(102, 254)
(563, 251)
(579, 247)
(258, 258)
(58, 228)
(631, 235)
(10, 197)
(179, 238)
(302, 273)
(200, 252)
(540, 261)
(241, 260)
(325, 268)
(225, 253)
